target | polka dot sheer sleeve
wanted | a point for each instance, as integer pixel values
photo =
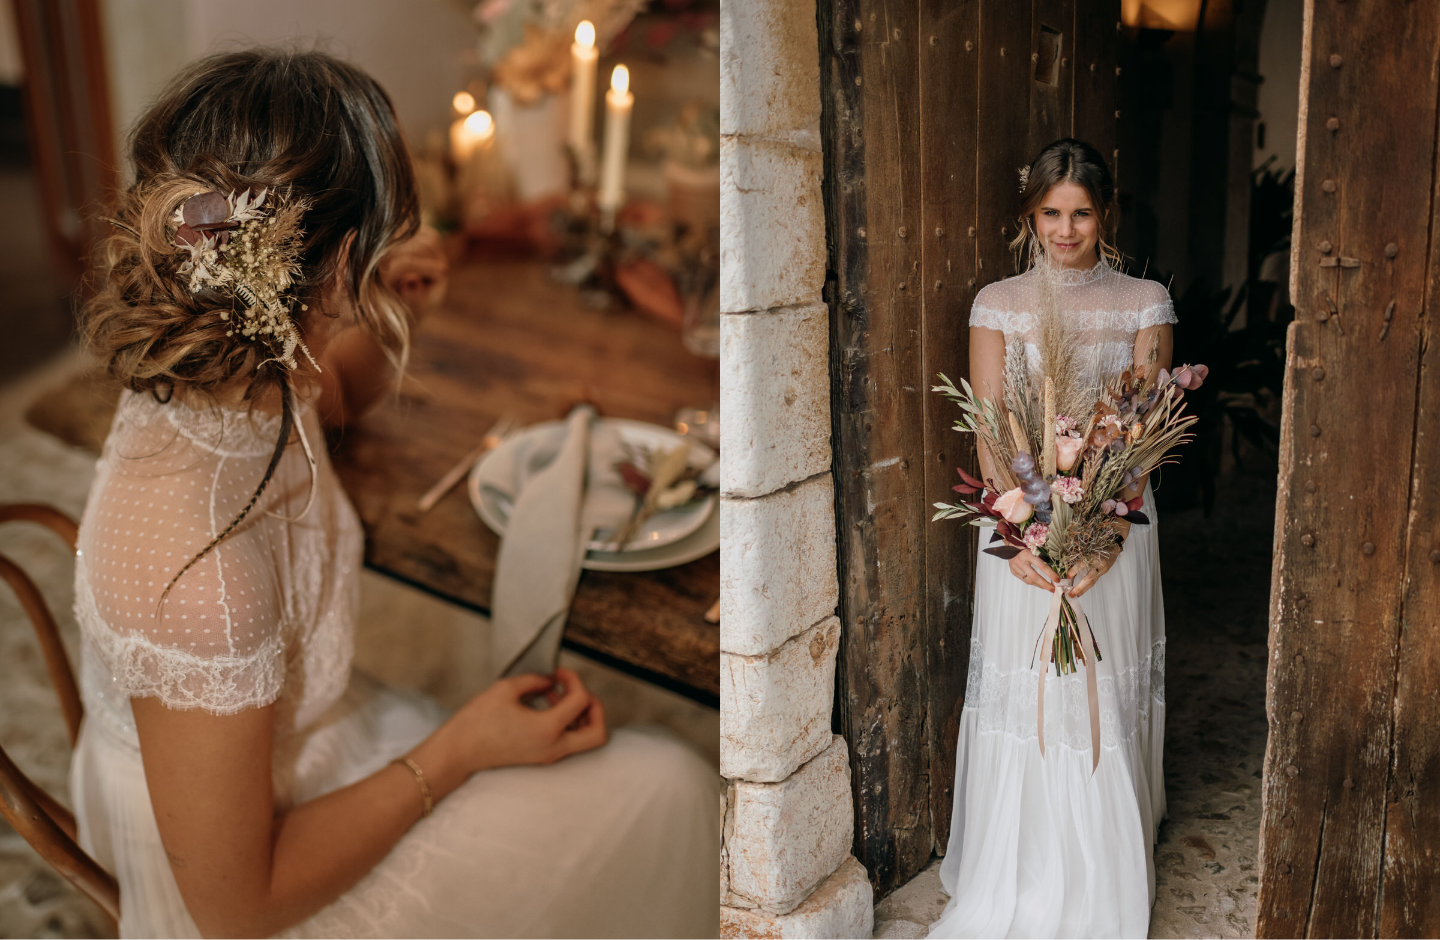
(216, 641)
(1154, 305)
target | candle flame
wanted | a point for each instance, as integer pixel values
(620, 80)
(585, 34)
(480, 125)
(464, 102)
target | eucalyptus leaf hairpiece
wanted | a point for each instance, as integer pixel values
(248, 245)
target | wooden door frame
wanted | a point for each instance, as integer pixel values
(1350, 826)
(1353, 748)
(68, 123)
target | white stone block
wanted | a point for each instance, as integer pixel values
(842, 907)
(789, 836)
(775, 709)
(777, 566)
(772, 225)
(775, 396)
(770, 70)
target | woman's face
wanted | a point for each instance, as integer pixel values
(1067, 226)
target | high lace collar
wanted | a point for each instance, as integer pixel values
(1072, 277)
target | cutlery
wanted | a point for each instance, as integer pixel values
(491, 440)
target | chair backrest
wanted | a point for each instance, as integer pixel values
(41, 821)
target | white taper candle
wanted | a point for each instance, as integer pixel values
(583, 56)
(618, 102)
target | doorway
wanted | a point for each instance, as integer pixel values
(923, 134)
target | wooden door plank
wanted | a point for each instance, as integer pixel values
(1344, 464)
(1004, 81)
(949, 86)
(880, 700)
(1094, 79)
(1052, 68)
(1409, 906)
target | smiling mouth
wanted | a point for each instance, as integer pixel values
(1066, 245)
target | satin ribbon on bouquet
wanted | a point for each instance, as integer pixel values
(1047, 652)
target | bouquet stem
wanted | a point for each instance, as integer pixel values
(1068, 647)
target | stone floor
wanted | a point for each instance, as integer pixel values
(1216, 575)
(405, 638)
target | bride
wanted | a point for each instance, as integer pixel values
(1040, 847)
(232, 771)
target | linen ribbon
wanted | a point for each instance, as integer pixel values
(1047, 653)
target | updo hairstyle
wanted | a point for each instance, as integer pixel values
(301, 124)
(1068, 161)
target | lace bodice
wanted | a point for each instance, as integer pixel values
(1104, 307)
(266, 616)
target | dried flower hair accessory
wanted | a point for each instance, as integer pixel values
(1024, 178)
(247, 244)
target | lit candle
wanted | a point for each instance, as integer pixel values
(476, 130)
(583, 56)
(618, 102)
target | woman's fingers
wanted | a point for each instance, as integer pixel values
(588, 731)
(572, 704)
(527, 684)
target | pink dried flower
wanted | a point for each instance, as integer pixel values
(1035, 535)
(1067, 451)
(1012, 507)
(1070, 489)
(1064, 424)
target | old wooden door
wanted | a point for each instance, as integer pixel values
(930, 107)
(1350, 833)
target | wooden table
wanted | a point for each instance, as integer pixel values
(509, 341)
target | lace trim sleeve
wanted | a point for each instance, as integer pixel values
(1003, 320)
(1156, 314)
(142, 668)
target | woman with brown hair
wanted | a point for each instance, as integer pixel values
(231, 770)
(1040, 847)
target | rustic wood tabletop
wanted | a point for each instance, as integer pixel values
(508, 341)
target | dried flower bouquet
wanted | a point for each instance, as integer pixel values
(1063, 479)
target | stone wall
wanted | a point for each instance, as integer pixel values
(787, 818)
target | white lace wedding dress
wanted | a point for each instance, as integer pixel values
(620, 841)
(1038, 846)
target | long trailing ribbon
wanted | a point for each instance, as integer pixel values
(1047, 654)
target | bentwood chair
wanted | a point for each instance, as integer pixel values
(40, 820)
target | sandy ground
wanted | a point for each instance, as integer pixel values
(1216, 575)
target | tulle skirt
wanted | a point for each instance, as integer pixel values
(617, 842)
(1040, 846)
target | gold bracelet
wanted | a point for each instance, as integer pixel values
(420, 779)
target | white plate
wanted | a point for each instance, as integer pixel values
(672, 529)
(697, 544)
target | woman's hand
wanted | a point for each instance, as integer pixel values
(417, 270)
(497, 729)
(1024, 566)
(1101, 565)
